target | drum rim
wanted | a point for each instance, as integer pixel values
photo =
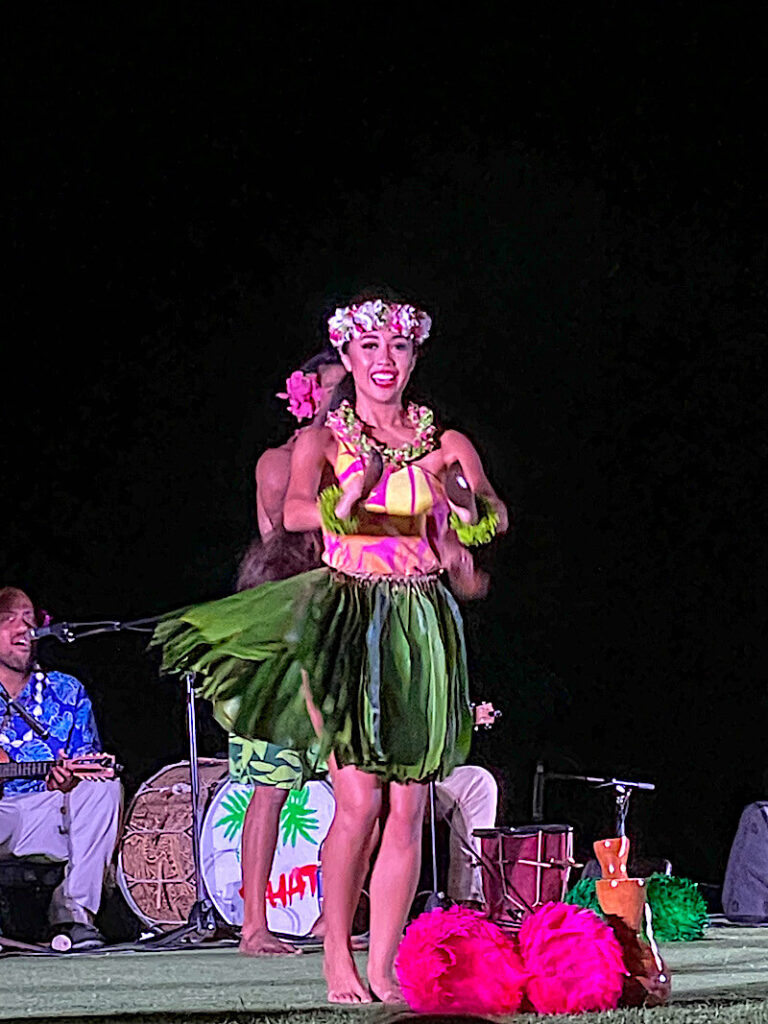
(521, 830)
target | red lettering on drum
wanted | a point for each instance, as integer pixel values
(295, 884)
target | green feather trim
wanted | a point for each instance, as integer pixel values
(679, 910)
(677, 907)
(326, 503)
(584, 894)
(481, 532)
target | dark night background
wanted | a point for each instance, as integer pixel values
(578, 200)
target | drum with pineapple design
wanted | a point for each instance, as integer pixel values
(294, 891)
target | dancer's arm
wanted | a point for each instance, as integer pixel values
(272, 472)
(309, 456)
(456, 447)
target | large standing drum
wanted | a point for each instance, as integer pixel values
(294, 891)
(155, 865)
(523, 868)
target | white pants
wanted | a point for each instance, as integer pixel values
(467, 798)
(79, 828)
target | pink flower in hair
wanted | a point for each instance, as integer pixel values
(303, 393)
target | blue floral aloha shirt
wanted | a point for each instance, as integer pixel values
(59, 702)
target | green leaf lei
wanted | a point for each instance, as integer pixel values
(346, 424)
(481, 532)
(327, 501)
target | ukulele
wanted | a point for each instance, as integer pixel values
(93, 767)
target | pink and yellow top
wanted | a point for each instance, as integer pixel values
(405, 492)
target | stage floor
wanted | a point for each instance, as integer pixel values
(729, 964)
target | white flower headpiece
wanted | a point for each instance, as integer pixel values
(351, 321)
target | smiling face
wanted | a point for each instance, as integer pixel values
(381, 363)
(17, 617)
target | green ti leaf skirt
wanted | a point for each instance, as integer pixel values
(384, 660)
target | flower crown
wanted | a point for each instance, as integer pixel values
(351, 321)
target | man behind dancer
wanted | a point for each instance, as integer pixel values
(275, 556)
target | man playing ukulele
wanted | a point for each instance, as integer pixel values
(56, 816)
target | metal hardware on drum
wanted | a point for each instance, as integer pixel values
(622, 792)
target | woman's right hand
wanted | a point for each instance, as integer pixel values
(359, 485)
(350, 496)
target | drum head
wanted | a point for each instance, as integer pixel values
(295, 886)
(155, 865)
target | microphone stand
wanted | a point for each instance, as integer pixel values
(435, 898)
(622, 789)
(203, 921)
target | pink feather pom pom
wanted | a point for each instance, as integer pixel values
(456, 961)
(573, 959)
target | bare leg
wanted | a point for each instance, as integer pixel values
(393, 885)
(318, 928)
(358, 804)
(260, 828)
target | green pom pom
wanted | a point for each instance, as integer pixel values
(584, 894)
(327, 502)
(481, 532)
(678, 908)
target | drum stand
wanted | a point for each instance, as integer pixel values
(436, 898)
(204, 921)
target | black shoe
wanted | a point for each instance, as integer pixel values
(73, 935)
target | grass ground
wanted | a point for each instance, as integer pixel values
(722, 978)
(740, 1012)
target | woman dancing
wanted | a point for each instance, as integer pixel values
(370, 647)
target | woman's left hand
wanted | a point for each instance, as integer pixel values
(459, 452)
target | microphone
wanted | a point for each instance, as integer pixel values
(61, 630)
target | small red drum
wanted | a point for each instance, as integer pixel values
(523, 868)
(294, 890)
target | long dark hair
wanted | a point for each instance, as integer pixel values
(281, 555)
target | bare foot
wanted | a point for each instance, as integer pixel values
(264, 943)
(385, 986)
(357, 943)
(344, 984)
